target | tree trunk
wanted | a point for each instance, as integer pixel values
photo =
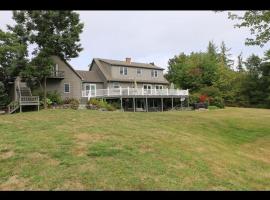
(45, 92)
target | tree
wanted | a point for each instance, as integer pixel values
(240, 66)
(12, 61)
(53, 33)
(252, 63)
(258, 23)
(212, 50)
(224, 55)
(192, 71)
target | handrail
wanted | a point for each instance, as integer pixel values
(57, 73)
(14, 105)
(110, 92)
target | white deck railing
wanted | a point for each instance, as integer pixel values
(118, 92)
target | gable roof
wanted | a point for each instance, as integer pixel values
(89, 76)
(132, 64)
(69, 66)
(102, 62)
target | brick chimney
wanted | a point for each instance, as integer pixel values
(128, 60)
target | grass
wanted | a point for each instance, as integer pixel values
(227, 149)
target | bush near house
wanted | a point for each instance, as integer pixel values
(96, 104)
(71, 103)
(210, 95)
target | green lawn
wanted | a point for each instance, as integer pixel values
(91, 150)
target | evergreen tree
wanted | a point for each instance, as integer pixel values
(240, 66)
(212, 50)
(224, 55)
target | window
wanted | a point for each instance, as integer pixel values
(139, 71)
(159, 87)
(66, 87)
(116, 85)
(154, 73)
(123, 70)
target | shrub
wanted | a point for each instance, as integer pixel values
(99, 104)
(214, 96)
(217, 101)
(194, 98)
(74, 104)
(116, 105)
(48, 101)
(55, 97)
(203, 98)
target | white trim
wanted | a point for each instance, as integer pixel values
(141, 71)
(121, 67)
(68, 88)
(116, 83)
(155, 73)
(160, 87)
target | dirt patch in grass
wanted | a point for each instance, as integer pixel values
(74, 185)
(82, 141)
(13, 183)
(145, 148)
(38, 156)
(6, 154)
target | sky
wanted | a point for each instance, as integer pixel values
(153, 36)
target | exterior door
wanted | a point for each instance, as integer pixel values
(93, 90)
(147, 89)
(90, 88)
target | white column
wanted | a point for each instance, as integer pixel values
(120, 90)
(108, 91)
(128, 91)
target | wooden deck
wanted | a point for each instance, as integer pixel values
(135, 93)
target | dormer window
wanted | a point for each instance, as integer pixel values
(139, 71)
(154, 73)
(123, 70)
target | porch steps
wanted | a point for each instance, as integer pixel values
(84, 100)
(82, 106)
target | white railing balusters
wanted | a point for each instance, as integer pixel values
(133, 92)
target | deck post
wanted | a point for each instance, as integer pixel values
(162, 104)
(20, 104)
(134, 105)
(121, 99)
(181, 104)
(172, 102)
(128, 91)
(146, 106)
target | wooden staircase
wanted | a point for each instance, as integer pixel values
(24, 98)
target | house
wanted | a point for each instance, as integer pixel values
(135, 85)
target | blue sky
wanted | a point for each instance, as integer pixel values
(153, 36)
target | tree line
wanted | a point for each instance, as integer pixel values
(213, 74)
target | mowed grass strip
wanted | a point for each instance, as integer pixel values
(225, 149)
